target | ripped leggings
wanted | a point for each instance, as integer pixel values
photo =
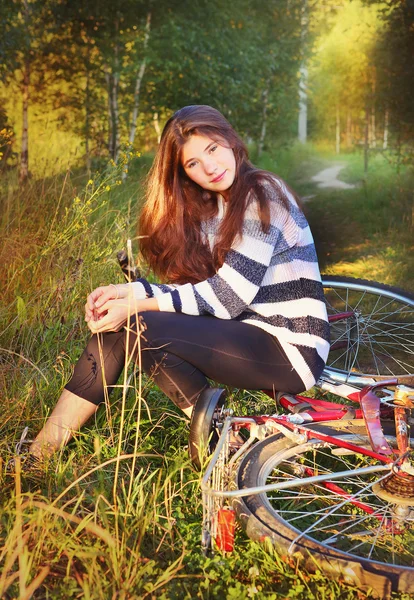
(181, 353)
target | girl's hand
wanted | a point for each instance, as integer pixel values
(112, 315)
(100, 296)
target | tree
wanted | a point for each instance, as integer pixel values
(100, 54)
(342, 73)
(244, 65)
(303, 79)
(117, 69)
(393, 59)
(6, 139)
(25, 55)
(277, 60)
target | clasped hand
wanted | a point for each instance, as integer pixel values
(107, 308)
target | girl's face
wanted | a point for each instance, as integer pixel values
(209, 163)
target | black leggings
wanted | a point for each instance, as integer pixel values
(181, 352)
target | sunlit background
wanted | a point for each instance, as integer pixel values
(92, 75)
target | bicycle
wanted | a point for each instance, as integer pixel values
(331, 484)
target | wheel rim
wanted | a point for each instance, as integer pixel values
(378, 340)
(352, 516)
(205, 424)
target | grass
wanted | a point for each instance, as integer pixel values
(99, 523)
(366, 232)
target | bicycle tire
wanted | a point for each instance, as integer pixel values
(377, 342)
(334, 544)
(203, 435)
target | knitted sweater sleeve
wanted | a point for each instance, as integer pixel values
(233, 288)
(144, 289)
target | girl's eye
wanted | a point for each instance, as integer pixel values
(191, 164)
(213, 148)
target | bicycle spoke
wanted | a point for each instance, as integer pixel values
(355, 523)
(327, 514)
(376, 538)
(393, 357)
(333, 506)
(379, 338)
(348, 516)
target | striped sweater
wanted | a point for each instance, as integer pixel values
(269, 280)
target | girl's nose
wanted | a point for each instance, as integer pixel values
(210, 166)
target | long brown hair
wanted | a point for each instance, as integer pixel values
(170, 223)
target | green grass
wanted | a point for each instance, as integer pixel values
(296, 164)
(89, 528)
(366, 232)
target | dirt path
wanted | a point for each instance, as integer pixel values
(328, 178)
(335, 231)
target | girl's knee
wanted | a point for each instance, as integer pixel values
(149, 325)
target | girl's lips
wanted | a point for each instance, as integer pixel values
(219, 177)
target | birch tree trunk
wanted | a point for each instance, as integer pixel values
(385, 139)
(112, 84)
(303, 105)
(87, 112)
(366, 141)
(338, 131)
(109, 109)
(157, 127)
(114, 103)
(303, 80)
(138, 82)
(24, 155)
(137, 91)
(264, 121)
(349, 130)
(373, 131)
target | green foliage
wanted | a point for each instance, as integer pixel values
(85, 66)
(197, 53)
(6, 139)
(240, 56)
(392, 57)
(359, 77)
(340, 70)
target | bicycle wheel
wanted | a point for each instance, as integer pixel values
(348, 525)
(203, 427)
(377, 340)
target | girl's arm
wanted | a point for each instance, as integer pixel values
(103, 315)
(144, 289)
(224, 295)
(237, 282)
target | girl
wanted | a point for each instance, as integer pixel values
(243, 305)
